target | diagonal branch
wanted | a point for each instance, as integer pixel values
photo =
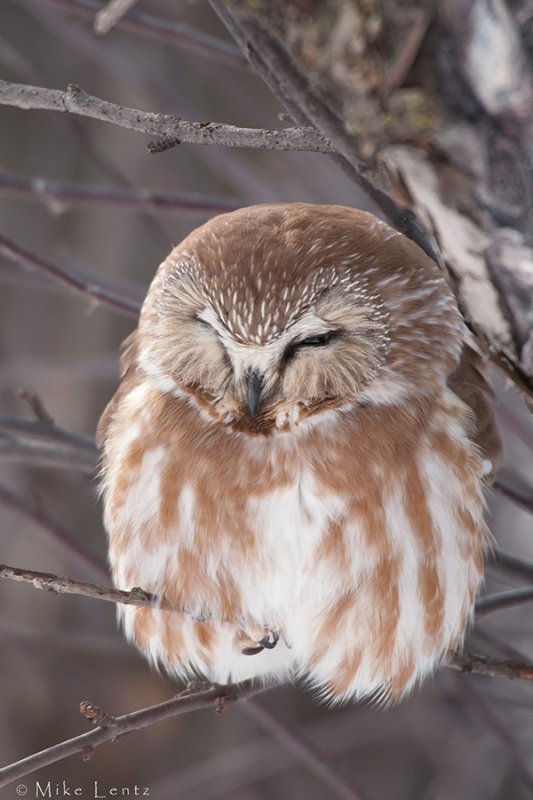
(165, 126)
(175, 34)
(22, 257)
(111, 14)
(301, 746)
(111, 728)
(55, 531)
(293, 89)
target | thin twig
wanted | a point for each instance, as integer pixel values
(502, 600)
(491, 667)
(213, 695)
(525, 503)
(513, 565)
(481, 708)
(139, 597)
(59, 195)
(164, 126)
(58, 584)
(111, 14)
(300, 745)
(22, 257)
(55, 531)
(175, 34)
(48, 432)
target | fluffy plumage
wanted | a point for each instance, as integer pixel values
(295, 457)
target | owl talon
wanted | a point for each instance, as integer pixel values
(270, 640)
(252, 651)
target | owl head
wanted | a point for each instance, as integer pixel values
(272, 314)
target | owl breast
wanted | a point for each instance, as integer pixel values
(360, 563)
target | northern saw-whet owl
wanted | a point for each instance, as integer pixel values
(294, 461)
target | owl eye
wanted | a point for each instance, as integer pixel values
(312, 341)
(318, 341)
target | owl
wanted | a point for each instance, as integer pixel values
(295, 459)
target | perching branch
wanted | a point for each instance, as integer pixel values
(61, 585)
(491, 667)
(138, 597)
(59, 195)
(111, 728)
(162, 126)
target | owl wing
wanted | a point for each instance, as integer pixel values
(128, 376)
(470, 384)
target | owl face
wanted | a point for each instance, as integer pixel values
(264, 321)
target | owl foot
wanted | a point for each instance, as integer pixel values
(267, 642)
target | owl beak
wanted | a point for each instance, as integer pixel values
(254, 385)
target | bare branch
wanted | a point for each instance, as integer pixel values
(59, 195)
(175, 34)
(292, 88)
(48, 432)
(111, 14)
(22, 257)
(491, 667)
(212, 696)
(298, 744)
(61, 585)
(513, 565)
(139, 597)
(502, 600)
(166, 126)
(525, 503)
(55, 531)
(505, 736)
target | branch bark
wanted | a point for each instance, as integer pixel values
(164, 126)
(218, 697)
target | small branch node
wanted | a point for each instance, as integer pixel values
(160, 145)
(95, 715)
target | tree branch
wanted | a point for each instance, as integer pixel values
(525, 503)
(164, 126)
(491, 667)
(502, 600)
(61, 585)
(60, 194)
(138, 597)
(293, 89)
(215, 696)
(111, 14)
(22, 257)
(55, 531)
(300, 745)
(176, 34)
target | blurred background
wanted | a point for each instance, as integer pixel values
(460, 737)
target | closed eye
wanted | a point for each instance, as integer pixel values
(318, 341)
(312, 341)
